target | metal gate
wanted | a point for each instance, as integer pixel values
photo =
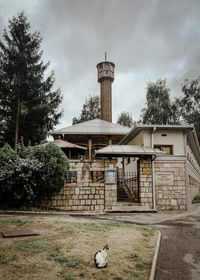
(127, 187)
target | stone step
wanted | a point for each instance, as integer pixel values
(130, 207)
(128, 203)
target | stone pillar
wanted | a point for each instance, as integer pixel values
(145, 183)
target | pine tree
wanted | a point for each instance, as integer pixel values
(29, 107)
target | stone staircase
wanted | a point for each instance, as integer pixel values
(130, 207)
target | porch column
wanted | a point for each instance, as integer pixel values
(70, 154)
(90, 148)
(110, 141)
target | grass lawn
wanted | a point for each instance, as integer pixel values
(65, 250)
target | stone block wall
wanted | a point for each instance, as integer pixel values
(145, 177)
(194, 182)
(170, 185)
(88, 193)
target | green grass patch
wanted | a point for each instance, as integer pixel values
(69, 277)
(71, 261)
(74, 261)
(13, 222)
(144, 265)
(84, 227)
(37, 246)
(135, 257)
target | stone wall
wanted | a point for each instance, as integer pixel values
(87, 191)
(170, 185)
(194, 182)
(145, 177)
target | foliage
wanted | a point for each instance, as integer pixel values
(71, 261)
(189, 104)
(125, 119)
(91, 110)
(28, 103)
(6, 154)
(196, 199)
(35, 173)
(159, 110)
(144, 264)
(69, 277)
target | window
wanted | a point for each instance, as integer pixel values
(96, 176)
(72, 177)
(100, 68)
(106, 66)
(168, 149)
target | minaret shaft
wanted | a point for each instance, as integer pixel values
(106, 100)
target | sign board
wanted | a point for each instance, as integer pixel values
(164, 178)
(110, 177)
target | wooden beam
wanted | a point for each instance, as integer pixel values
(90, 148)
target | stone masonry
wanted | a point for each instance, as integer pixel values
(170, 185)
(194, 187)
(89, 192)
(145, 177)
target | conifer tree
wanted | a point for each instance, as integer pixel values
(29, 106)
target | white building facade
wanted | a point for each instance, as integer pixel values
(175, 176)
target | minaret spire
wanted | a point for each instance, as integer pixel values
(105, 56)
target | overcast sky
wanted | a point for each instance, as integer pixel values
(146, 39)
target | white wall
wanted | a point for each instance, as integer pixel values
(138, 140)
(175, 138)
(192, 159)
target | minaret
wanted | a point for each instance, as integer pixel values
(105, 78)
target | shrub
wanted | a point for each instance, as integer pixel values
(35, 173)
(53, 175)
(196, 199)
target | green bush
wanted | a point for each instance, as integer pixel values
(34, 174)
(196, 199)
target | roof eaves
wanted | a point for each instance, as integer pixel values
(139, 127)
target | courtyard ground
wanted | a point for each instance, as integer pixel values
(65, 249)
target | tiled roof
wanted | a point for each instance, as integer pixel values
(64, 144)
(127, 150)
(94, 127)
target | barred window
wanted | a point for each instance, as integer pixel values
(72, 177)
(96, 176)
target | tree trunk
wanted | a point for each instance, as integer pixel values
(17, 124)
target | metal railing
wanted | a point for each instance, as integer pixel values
(127, 187)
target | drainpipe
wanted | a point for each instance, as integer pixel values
(187, 189)
(153, 170)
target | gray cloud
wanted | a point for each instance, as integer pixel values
(146, 39)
